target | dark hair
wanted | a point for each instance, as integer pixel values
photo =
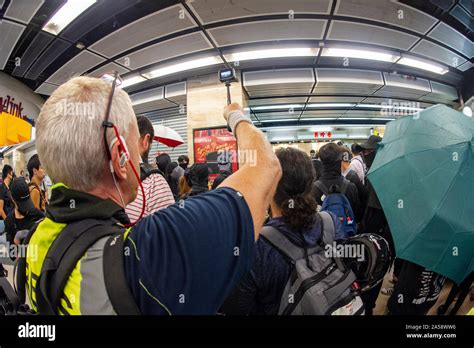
(162, 161)
(33, 163)
(145, 127)
(356, 149)
(346, 154)
(183, 158)
(7, 169)
(294, 194)
(312, 151)
(330, 153)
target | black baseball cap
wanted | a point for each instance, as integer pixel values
(371, 143)
(21, 194)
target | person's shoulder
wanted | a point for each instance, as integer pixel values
(36, 213)
(10, 219)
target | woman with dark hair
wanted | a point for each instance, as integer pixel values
(294, 214)
(184, 187)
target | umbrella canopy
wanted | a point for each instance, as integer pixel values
(167, 136)
(423, 175)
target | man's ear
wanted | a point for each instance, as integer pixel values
(120, 170)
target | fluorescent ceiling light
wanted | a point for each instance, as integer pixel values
(187, 65)
(360, 53)
(423, 64)
(66, 14)
(387, 106)
(133, 80)
(367, 118)
(278, 107)
(272, 53)
(279, 120)
(331, 105)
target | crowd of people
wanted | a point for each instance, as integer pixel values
(191, 248)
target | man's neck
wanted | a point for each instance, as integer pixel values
(36, 180)
(107, 193)
(7, 182)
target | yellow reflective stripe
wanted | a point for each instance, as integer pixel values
(72, 290)
(59, 184)
(134, 247)
(153, 297)
(40, 242)
(44, 236)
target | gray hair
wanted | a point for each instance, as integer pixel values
(69, 132)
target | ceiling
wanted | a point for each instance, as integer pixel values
(143, 38)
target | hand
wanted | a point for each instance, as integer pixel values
(232, 107)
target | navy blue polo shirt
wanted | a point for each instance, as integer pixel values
(186, 259)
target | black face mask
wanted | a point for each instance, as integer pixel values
(184, 165)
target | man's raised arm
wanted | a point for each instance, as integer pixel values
(258, 178)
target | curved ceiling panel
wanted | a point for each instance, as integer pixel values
(453, 38)
(11, 33)
(436, 52)
(151, 27)
(166, 49)
(365, 33)
(387, 11)
(209, 11)
(23, 10)
(282, 29)
(76, 66)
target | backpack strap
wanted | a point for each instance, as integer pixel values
(146, 170)
(115, 280)
(20, 265)
(328, 232)
(324, 189)
(9, 293)
(281, 243)
(67, 249)
(344, 186)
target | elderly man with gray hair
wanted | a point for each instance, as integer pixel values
(180, 260)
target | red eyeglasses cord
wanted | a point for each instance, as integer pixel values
(122, 145)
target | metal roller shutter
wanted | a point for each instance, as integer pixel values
(174, 119)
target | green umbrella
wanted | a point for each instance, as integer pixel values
(423, 175)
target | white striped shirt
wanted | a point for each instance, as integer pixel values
(358, 166)
(158, 196)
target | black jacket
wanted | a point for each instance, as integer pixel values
(331, 175)
(361, 189)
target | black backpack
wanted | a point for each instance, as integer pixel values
(147, 169)
(62, 257)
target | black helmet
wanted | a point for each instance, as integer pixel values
(377, 258)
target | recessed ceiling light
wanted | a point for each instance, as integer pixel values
(183, 66)
(380, 55)
(423, 64)
(66, 14)
(131, 80)
(331, 105)
(272, 53)
(278, 107)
